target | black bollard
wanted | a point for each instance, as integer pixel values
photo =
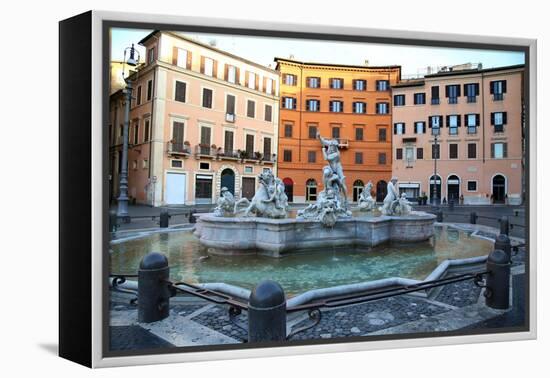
(267, 313)
(473, 217)
(503, 243)
(439, 214)
(497, 291)
(113, 221)
(192, 218)
(164, 219)
(153, 290)
(504, 225)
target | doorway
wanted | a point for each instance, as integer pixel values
(499, 189)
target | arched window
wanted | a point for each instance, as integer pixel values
(453, 188)
(228, 180)
(499, 189)
(381, 190)
(357, 189)
(289, 188)
(311, 190)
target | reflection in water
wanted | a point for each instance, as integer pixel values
(298, 272)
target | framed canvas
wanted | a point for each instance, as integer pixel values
(232, 189)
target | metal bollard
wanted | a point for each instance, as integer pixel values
(164, 219)
(503, 243)
(497, 289)
(192, 218)
(439, 214)
(267, 313)
(473, 217)
(153, 290)
(113, 221)
(504, 225)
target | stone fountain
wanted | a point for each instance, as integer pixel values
(262, 225)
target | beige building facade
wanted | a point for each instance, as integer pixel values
(200, 119)
(460, 133)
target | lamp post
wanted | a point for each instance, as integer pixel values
(436, 154)
(122, 209)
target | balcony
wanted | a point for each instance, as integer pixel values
(205, 151)
(498, 97)
(343, 143)
(179, 149)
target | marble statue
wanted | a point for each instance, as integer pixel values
(392, 198)
(332, 200)
(270, 200)
(226, 203)
(403, 205)
(366, 202)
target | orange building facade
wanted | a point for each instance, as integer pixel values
(348, 103)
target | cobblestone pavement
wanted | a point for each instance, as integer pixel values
(134, 337)
(459, 294)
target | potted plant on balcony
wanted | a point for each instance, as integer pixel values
(258, 156)
(242, 155)
(423, 199)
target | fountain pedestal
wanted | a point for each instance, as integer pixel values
(276, 237)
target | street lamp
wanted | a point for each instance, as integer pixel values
(122, 209)
(436, 154)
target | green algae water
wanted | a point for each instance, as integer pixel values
(296, 273)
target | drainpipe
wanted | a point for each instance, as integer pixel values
(483, 114)
(300, 117)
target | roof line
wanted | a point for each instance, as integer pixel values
(277, 59)
(474, 71)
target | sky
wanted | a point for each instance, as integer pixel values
(262, 50)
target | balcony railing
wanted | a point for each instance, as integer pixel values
(498, 97)
(343, 143)
(471, 99)
(453, 100)
(240, 155)
(179, 149)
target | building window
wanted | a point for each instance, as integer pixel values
(249, 145)
(498, 120)
(452, 92)
(472, 151)
(136, 133)
(177, 164)
(312, 132)
(313, 105)
(146, 130)
(268, 116)
(498, 88)
(311, 156)
(151, 55)
(419, 98)
(230, 104)
(453, 151)
(267, 148)
(382, 135)
(435, 95)
(180, 91)
(359, 107)
(207, 98)
(149, 90)
(134, 164)
(178, 129)
(399, 128)
(381, 158)
(472, 186)
(409, 156)
(472, 122)
(435, 151)
(336, 106)
(453, 122)
(180, 58)
(311, 190)
(398, 154)
(288, 130)
(336, 132)
(290, 79)
(248, 169)
(208, 68)
(287, 155)
(145, 164)
(435, 124)
(204, 166)
(471, 91)
(420, 127)
(382, 85)
(228, 142)
(289, 103)
(499, 150)
(336, 83)
(358, 133)
(232, 74)
(269, 86)
(358, 158)
(419, 153)
(359, 85)
(313, 82)
(251, 80)
(399, 100)
(138, 96)
(382, 108)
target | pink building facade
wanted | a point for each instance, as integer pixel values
(465, 126)
(201, 119)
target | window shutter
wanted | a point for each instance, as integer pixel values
(458, 91)
(477, 119)
(202, 64)
(505, 150)
(174, 55)
(435, 91)
(294, 103)
(264, 84)
(503, 86)
(189, 60)
(492, 119)
(477, 89)
(492, 87)
(238, 76)
(430, 122)
(307, 105)
(448, 121)
(504, 118)
(446, 91)
(492, 150)
(257, 83)
(215, 69)
(246, 79)
(226, 72)
(465, 89)
(458, 120)
(404, 127)
(395, 128)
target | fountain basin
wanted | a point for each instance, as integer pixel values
(276, 237)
